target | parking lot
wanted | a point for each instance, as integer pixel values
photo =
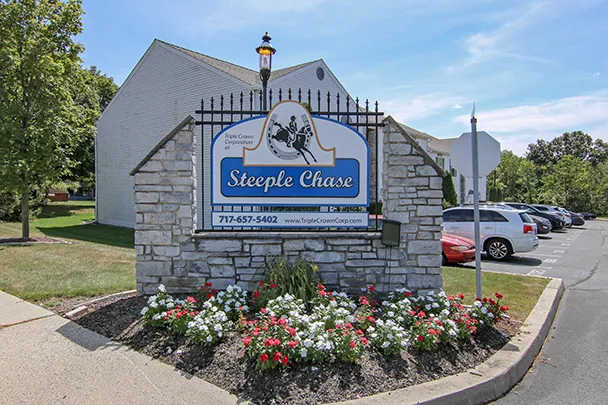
(554, 252)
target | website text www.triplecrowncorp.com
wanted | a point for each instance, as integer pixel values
(325, 221)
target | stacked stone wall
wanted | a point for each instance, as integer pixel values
(169, 251)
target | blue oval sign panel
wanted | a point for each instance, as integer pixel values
(289, 158)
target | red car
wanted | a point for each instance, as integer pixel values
(456, 249)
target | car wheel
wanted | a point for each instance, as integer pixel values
(498, 249)
(444, 260)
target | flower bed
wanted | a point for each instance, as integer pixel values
(331, 328)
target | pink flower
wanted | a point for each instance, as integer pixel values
(352, 344)
(246, 341)
(277, 356)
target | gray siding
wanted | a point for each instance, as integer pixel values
(163, 89)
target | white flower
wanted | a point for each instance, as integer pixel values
(390, 314)
(386, 344)
(156, 317)
(144, 310)
(308, 343)
(170, 305)
(161, 288)
(303, 352)
(477, 304)
(229, 288)
(435, 305)
(209, 338)
(427, 307)
(153, 304)
(484, 310)
(445, 312)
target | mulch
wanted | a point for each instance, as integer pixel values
(227, 366)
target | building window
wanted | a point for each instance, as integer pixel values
(440, 161)
(454, 172)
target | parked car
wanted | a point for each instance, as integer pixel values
(456, 249)
(556, 221)
(567, 215)
(503, 232)
(588, 216)
(577, 219)
(552, 210)
(542, 224)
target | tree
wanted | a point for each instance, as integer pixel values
(40, 121)
(577, 144)
(567, 185)
(449, 192)
(95, 97)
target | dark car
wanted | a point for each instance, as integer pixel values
(542, 224)
(577, 219)
(588, 215)
(556, 222)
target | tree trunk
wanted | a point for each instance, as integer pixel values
(25, 215)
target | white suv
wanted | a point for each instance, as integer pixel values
(503, 232)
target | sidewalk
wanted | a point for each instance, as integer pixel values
(46, 359)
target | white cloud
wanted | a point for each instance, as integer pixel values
(456, 107)
(596, 74)
(484, 46)
(516, 127)
(426, 105)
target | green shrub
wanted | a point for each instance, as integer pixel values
(449, 192)
(281, 276)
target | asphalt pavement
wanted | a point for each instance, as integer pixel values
(572, 368)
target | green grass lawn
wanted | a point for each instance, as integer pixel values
(520, 292)
(100, 259)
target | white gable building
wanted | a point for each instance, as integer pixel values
(165, 86)
(439, 150)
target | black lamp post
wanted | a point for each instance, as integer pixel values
(265, 50)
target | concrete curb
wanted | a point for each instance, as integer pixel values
(495, 376)
(84, 307)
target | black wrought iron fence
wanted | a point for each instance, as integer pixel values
(217, 113)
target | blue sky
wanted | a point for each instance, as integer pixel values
(534, 68)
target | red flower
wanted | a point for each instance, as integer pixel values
(276, 342)
(291, 331)
(256, 294)
(439, 332)
(208, 284)
(485, 300)
(282, 322)
(499, 296)
(349, 325)
(420, 338)
(277, 356)
(504, 308)
(285, 360)
(461, 296)
(246, 341)
(492, 302)
(477, 299)
(190, 299)
(371, 288)
(263, 310)
(264, 358)
(293, 343)
(320, 286)
(432, 331)
(364, 340)
(359, 332)
(352, 344)
(330, 330)
(240, 307)
(370, 319)
(364, 301)
(421, 314)
(322, 293)
(268, 342)
(261, 284)
(407, 294)
(273, 285)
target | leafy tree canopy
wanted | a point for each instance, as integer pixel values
(577, 144)
(41, 119)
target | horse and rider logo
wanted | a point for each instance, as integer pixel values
(290, 141)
